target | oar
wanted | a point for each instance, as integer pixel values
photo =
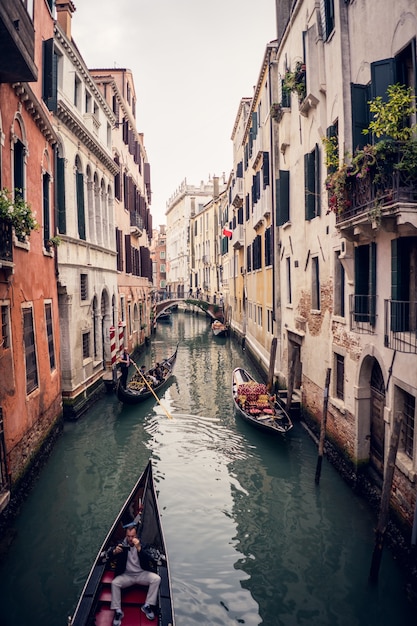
(150, 389)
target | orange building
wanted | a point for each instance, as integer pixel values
(30, 377)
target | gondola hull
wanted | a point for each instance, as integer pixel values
(94, 604)
(219, 329)
(254, 405)
(131, 395)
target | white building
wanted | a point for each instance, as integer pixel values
(87, 279)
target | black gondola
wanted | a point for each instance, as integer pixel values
(140, 508)
(256, 406)
(137, 390)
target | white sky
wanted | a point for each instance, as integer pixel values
(192, 62)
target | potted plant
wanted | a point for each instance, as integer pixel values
(296, 80)
(17, 213)
(276, 111)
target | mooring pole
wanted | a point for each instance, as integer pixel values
(385, 499)
(291, 377)
(323, 426)
(272, 364)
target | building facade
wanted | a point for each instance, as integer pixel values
(30, 372)
(87, 278)
(132, 208)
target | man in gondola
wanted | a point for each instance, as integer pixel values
(124, 362)
(133, 567)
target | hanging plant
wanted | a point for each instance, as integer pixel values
(17, 213)
(296, 80)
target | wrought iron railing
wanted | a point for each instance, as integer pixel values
(382, 182)
(136, 220)
(400, 325)
(6, 244)
(362, 312)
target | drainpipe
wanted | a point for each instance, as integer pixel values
(276, 274)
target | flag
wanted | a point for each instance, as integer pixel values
(227, 232)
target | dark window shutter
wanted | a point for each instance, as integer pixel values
(240, 215)
(80, 204)
(283, 197)
(360, 114)
(254, 125)
(247, 206)
(382, 75)
(265, 169)
(60, 183)
(128, 254)
(46, 208)
(400, 270)
(372, 283)
(309, 180)
(317, 185)
(239, 170)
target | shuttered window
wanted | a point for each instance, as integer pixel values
(80, 204)
(49, 75)
(50, 334)
(265, 169)
(365, 284)
(312, 183)
(282, 197)
(268, 247)
(327, 17)
(60, 195)
(30, 351)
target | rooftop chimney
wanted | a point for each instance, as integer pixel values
(65, 9)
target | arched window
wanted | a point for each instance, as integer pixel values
(79, 183)
(60, 190)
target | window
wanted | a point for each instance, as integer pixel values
(162, 254)
(406, 403)
(30, 351)
(50, 334)
(257, 249)
(5, 327)
(79, 178)
(403, 284)
(339, 287)
(46, 208)
(77, 91)
(19, 166)
(87, 101)
(312, 183)
(268, 247)
(49, 74)
(86, 345)
(60, 193)
(289, 288)
(84, 286)
(340, 376)
(315, 284)
(282, 197)
(270, 321)
(364, 306)
(162, 268)
(327, 17)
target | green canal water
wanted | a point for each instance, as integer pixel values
(251, 539)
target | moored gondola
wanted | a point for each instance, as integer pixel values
(137, 390)
(256, 406)
(140, 509)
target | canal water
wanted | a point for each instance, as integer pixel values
(251, 538)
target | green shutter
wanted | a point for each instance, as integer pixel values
(383, 74)
(372, 283)
(60, 185)
(360, 114)
(309, 180)
(80, 205)
(400, 271)
(283, 197)
(317, 182)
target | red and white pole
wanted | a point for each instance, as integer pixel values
(113, 350)
(121, 336)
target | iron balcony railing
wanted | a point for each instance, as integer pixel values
(382, 184)
(400, 325)
(136, 220)
(362, 312)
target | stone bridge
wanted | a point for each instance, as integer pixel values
(215, 311)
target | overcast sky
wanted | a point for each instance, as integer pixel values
(192, 62)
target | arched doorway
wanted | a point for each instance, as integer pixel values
(377, 425)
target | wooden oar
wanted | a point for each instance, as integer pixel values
(151, 390)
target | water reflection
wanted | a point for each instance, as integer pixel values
(250, 537)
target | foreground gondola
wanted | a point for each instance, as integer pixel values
(93, 608)
(137, 390)
(256, 406)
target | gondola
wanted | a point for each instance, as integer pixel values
(141, 508)
(137, 390)
(219, 329)
(256, 406)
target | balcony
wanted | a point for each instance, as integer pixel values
(136, 224)
(6, 245)
(362, 314)
(238, 237)
(382, 193)
(238, 193)
(400, 325)
(17, 43)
